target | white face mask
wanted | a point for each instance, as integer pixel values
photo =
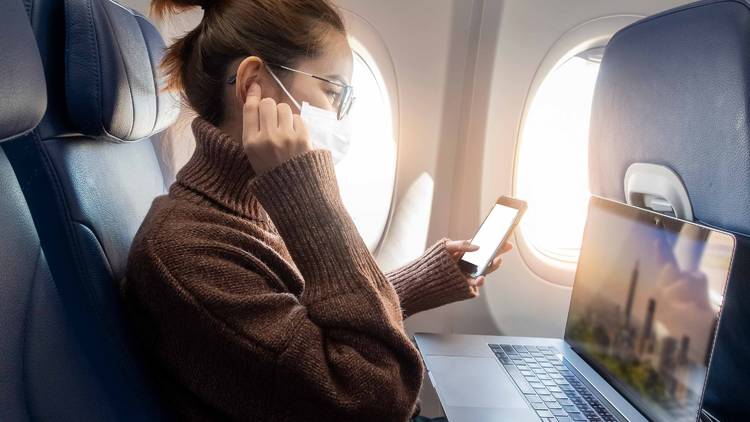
(325, 129)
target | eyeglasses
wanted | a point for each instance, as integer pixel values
(343, 101)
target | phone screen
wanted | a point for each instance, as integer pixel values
(490, 234)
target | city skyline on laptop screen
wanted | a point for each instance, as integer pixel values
(646, 303)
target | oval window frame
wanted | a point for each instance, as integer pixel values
(589, 35)
(367, 42)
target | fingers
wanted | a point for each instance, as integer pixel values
(285, 119)
(496, 263)
(460, 246)
(268, 115)
(250, 112)
(272, 134)
(299, 127)
(507, 247)
(477, 282)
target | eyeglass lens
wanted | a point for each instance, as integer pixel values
(346, 102)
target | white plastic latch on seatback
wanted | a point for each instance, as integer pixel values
(658, 188)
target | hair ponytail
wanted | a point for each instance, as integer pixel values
(161, 8)
(278, 31)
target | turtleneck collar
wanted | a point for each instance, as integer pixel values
(218, 171)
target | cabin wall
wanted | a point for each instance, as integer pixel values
(465, 70)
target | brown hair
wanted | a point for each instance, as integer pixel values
(277, 31)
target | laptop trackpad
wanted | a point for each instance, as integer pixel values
(473, 382)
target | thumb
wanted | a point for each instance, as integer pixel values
(460, 246)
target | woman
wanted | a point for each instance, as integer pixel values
(253, 294)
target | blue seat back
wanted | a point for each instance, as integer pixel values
(90, 173)
(674, 92)
(44, 372)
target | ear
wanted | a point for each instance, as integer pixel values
(247, 73)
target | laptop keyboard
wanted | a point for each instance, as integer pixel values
(552, 390)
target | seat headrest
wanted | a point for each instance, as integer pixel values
(23, 94)
(674, 90)
(113, 86)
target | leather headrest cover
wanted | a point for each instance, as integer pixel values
(23, 93)
(112, 80)
(674, 90)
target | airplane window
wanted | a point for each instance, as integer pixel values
(552, 166)
(367, 174)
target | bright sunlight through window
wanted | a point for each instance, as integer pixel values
(367, 173)
(552, 167)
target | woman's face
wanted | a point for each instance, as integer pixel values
(335, 63)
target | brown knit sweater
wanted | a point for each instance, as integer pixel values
(255, 299)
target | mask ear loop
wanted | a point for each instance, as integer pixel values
(283, 88)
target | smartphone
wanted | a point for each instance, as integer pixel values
(492, 234)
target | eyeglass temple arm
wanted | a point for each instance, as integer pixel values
(233, 79)
(320, 78)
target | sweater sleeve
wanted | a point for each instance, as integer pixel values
(337, 349)
(430, 281)
(301, 196)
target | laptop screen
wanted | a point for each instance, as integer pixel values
(645, 305)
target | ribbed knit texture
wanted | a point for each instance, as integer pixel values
(255, 299)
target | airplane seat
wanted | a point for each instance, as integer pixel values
(90, 173)
(670, 131)
(43, 373)
(673, 92)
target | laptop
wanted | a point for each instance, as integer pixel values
(640, 331)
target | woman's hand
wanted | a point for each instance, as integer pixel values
(271, 134)
(457, 248)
